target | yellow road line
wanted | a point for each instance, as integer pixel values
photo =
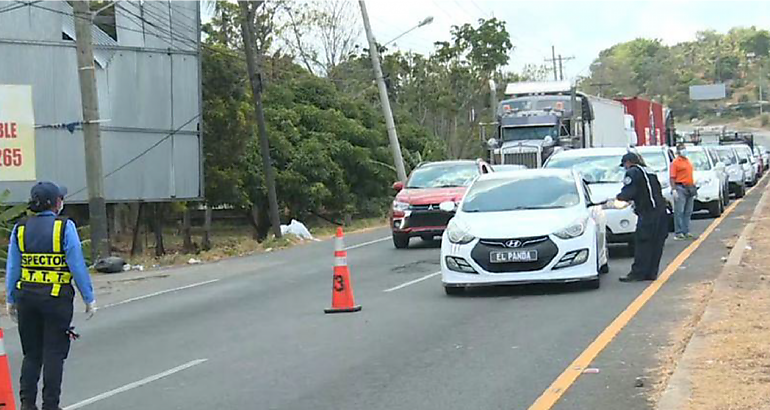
(560, 386)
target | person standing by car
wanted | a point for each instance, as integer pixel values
(683, 181)
(642, 187)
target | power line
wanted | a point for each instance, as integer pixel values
(479, 8)
(132, 160)
(15, 6)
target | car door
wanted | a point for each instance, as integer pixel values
(596, 214)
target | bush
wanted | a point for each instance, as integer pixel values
(765, 120)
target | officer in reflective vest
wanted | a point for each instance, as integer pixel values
(44, 257)
(642, 187)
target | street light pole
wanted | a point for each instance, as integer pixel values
(423, 23)
(395, 146)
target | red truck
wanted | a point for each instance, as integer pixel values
(649, 120)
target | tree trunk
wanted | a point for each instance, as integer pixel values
(136, 216)
(206, 240)
(160, 250)
(248, 9)
(189, 246)
(254, 219)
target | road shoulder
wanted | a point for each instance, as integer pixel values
(725, 364)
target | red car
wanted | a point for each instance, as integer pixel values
(416, 206)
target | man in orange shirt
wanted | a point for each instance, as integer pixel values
(683, 181)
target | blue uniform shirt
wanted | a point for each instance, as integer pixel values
(75, 261)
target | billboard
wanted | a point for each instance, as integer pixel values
(17, 134)
(708, 92)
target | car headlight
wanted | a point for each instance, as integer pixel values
(459, 233)
(573, 230)
(400, 206)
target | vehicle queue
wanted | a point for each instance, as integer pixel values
(555, 224)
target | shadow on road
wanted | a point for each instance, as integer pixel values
(539, 289)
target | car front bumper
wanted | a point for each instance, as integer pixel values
(583, 272)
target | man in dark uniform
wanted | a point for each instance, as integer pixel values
(44, 257)
(643, 189)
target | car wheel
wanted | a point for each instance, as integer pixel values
(454, 290)
(740, 192)
(400, 241)
(593, 284)
(715, 208)
(605, 269)
(726, 197)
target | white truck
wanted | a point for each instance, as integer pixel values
(538, 119)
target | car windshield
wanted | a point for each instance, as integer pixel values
(727, 157)
(699, 160)
(522, 193)
(529, 133)
(656, 161)
(594, 169)
(742, 153)
(443, 176)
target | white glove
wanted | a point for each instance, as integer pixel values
(12, 312)
(90, 310)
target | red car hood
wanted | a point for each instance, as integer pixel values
(431, 195)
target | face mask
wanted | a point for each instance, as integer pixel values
(683, 153)
(62, 207)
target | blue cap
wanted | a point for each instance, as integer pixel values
(47, 193)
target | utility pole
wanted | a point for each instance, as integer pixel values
(248, 9)
(395, 146)
(561, 63)
(553, 60)
(97, 208)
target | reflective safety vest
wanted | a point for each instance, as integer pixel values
(43, 259)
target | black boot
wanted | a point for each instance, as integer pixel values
(631, 278)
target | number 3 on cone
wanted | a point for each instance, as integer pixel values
(339, 283)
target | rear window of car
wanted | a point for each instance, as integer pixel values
(699, 160)
(443, 176)
(524, 192)
(656, 161)
(593, 168)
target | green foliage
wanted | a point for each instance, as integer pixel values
(665, 73)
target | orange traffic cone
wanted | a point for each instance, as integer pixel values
(7, 401)
(342, 288)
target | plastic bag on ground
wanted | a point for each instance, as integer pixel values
(296, 228)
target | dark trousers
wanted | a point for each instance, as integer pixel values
(43, 324)
(650, 237)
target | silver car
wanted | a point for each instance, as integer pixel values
(736, 175)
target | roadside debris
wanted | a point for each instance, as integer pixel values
(111, 264)
(591, 370)
(127, 267)
(194, 261)
(297, 229)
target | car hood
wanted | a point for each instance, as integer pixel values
(604, 191)
(520, 224)
(429, 196)
(702, 175)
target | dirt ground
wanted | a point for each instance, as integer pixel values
(732, 369)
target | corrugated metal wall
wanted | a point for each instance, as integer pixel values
(149, 88)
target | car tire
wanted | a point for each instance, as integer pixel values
(454, 290)
(400, 241)
(592, 284)
(726, 197)
(740, 192)
(715, 208)
(604, 269)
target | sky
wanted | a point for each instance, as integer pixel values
(579, 29)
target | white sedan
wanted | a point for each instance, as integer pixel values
(521, 227)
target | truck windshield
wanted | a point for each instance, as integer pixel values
(594, 169)
(529, 133)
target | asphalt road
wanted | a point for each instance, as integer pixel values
(250, 333)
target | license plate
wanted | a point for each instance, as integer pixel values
(513, 256)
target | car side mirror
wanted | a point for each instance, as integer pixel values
(398, 186)
(743, 161)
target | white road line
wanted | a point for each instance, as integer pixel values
(163, 292)
(361, 245)
(136, 384)
(412, 282)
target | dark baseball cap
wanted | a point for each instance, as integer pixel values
(629, 157)
(45, 191)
